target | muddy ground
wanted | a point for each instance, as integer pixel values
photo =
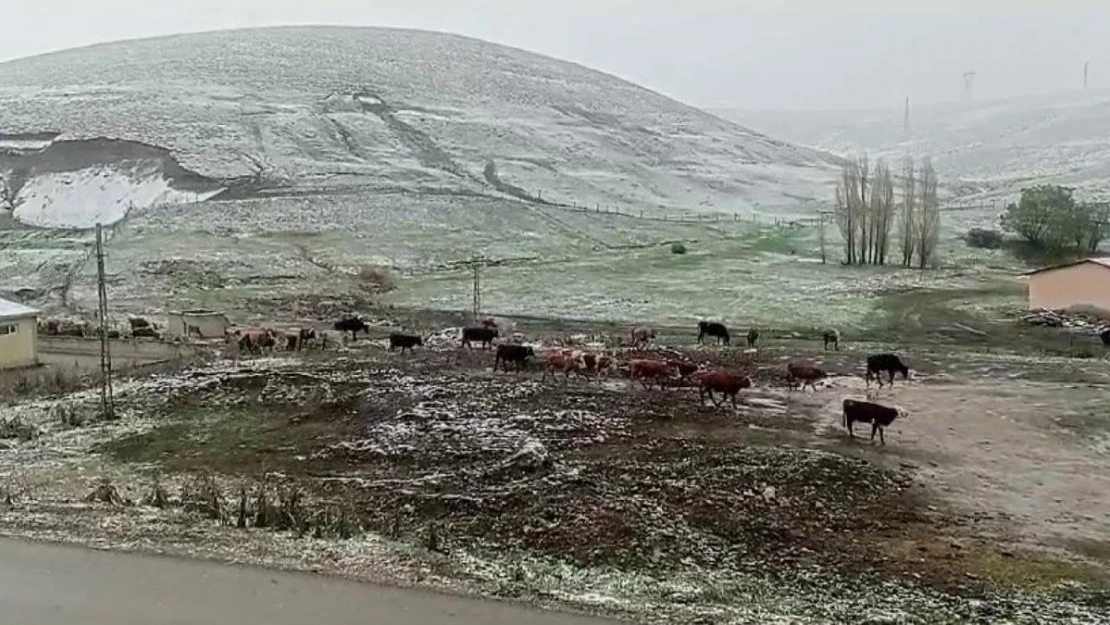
(988, 502)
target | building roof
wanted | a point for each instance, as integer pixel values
(11, 310)
(1102, 261)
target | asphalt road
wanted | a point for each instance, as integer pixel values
(56, 585)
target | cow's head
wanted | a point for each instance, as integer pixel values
(902, 412)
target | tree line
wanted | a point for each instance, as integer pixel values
(1050, 219)
(870, 202)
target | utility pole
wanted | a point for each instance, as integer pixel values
(1086, 66)
(968, 78)
(906, 119)
(107, 397)
(476, 265)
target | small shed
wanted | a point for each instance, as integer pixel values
(1081, 283)
(19, 335)
(197, 324)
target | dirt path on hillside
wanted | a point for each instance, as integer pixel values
(1023, 457)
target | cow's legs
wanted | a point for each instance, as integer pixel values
(734, 401)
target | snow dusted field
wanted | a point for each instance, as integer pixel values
(325, 108)
(985, 150)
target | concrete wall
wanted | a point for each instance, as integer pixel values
(211, 325)
(1085, 284)
(19, 348)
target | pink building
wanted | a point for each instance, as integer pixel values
(1082, 283)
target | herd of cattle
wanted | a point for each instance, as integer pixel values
(662, 370)
(649, 371)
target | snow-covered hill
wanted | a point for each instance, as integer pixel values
(984, 150)
(306, 110)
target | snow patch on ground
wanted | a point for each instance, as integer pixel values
(104, 194)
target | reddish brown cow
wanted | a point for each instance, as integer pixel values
(728, 383)
(805, 373)
(642, 335)
(650, 371)
(564, 361)
(594, 363)
(685, 369)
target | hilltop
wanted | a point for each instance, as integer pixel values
(325, 110)
(984, 150)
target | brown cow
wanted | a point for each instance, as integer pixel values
(642, 335)
(804, 372)
(684, 368)
(594, 363)
(728, 383)
(879, 416)
(561, 361)
(650, 371)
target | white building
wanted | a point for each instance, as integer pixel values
(19, 335)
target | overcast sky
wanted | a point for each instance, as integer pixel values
(741, 53)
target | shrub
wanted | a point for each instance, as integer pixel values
(984, 238)
(16, 429)
(678, 248)
(376, 279)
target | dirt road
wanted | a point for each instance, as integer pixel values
(1026, 453)
(54, 585)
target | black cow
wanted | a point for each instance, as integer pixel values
(879, 416)
(511, 352)
(753, 336)
(485, 336)
(885, 363)
(138, 322)
(712, 328)
(301, 340)
(404, 341)
(832, 336)
(1104, 336)
(145, 332)
(354, 325)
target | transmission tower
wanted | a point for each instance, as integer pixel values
(906, 119)
(969, 78)
(107, 397)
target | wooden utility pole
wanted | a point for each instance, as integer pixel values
(107, 397)
(1086, 66)
(476, 264)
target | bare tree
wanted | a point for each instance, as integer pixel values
(821, 238)
(907, 226)
(863, 212)
(847, 208)
(882, 212)
(928, 233)
(9, 199)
